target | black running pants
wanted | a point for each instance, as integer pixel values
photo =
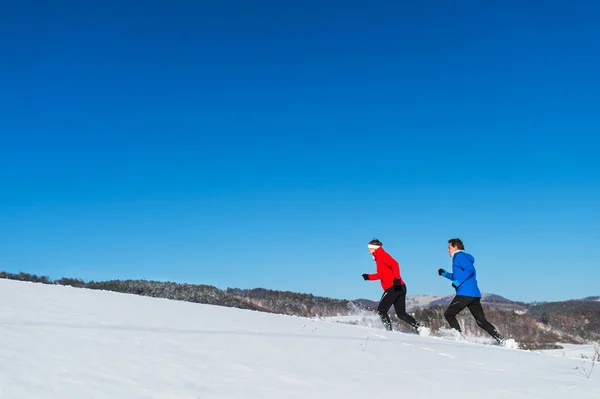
(474, 304)
(395, 295)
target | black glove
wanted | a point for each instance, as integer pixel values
(365, 276)
(441, 271)
(397, 281)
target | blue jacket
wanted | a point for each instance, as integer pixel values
(464, 275)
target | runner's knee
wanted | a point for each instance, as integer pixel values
(449, 313)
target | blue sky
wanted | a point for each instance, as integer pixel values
(263, 144)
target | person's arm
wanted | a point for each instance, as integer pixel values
(467, 267)
(446, 274)
(373, 276)
(394, 265)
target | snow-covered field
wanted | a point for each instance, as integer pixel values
(63, 342)
(574, 351)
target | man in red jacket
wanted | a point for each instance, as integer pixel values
(394, 288)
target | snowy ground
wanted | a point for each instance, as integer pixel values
(576, 352)
(63, 342)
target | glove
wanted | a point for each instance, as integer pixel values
(397, 281)
(441, 272)
(455, 283)
(365, 276)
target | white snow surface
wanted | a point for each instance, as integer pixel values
(64, 342)
(575, 351)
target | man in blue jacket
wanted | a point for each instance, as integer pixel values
(464, 281)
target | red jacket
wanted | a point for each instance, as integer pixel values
(387, 269)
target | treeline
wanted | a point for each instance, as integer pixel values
(293, 303)
(34, 278)
(197, 293)
(584, 324)
(576, 305)
(283, 302)
(580, 318)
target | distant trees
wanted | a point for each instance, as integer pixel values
(584, 324)
(73, 282)
(564, 307)
(181, 292)
(26, 277)
(292, 303)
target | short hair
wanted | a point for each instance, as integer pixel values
(375, 241)
(456, 243)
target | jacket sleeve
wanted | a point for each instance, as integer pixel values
(373, 276)
(394, 265)
(449, 276)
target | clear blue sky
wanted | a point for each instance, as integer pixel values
(264, 143)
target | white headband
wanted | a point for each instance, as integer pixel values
(371, 246)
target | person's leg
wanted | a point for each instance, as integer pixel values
(385, 303)
(479, 315)
(400, 308)
(456, 306)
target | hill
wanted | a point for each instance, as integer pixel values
(70, 343)
(579, 318)
(592, 298)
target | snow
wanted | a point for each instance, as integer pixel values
(64, 342)
(576, 352)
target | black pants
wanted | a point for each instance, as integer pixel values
(474, 304)
(395, 295)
